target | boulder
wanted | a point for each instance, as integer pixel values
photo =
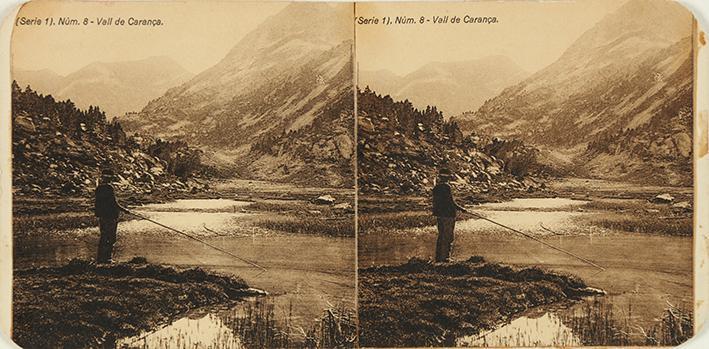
(344, 145)
(324, 200)
(156, 171)
(25, 124)
(683, 144)
(662, 199)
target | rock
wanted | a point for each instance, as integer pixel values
(662, 199)
(324, 200)
(156, 171)
(25, 124)
(683, 144)
(343, 206)
(344, 145)
(683, 205)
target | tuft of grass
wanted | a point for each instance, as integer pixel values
(649, 225)
(299, 225)
(596, 325)
(399, 221)
(270, 206)
(395, 221)
(616, 205)
(336, 329)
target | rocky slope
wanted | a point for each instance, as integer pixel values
(626, 81)
(319, 154)
(281, 79)
(401, 150)
(118, 87)
(59, 149)
(454, 87)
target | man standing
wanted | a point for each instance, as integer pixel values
(106, 208)
(444, 208)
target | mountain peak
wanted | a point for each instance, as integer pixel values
(326, 25)
(630, 71)
(657, 22)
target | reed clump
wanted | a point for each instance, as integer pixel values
(675, 327)
(258, 326)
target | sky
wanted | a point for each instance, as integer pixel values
(196, 34)
(532, 33)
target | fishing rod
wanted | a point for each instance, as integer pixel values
(199, 240)
(537, 240)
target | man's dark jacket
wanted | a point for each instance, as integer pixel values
(443, 203)
(106, 205)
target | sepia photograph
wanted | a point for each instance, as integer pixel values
(183, 175)
(524, 174)
(334, 174)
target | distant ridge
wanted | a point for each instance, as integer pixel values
(454, 87)
(118, 87)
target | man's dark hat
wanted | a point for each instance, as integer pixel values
(107, 174)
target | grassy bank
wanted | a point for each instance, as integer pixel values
(304, 217)
(424, 304)
(83, 304)
(641, 216)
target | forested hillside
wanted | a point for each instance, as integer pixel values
(401, 150)
(61, 149)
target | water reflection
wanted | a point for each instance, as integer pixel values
(202, 332)
(528, 221)
(535, 203)
(189, 222)
(196, 205)
(546, 330)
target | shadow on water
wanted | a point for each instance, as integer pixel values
(253, 323)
